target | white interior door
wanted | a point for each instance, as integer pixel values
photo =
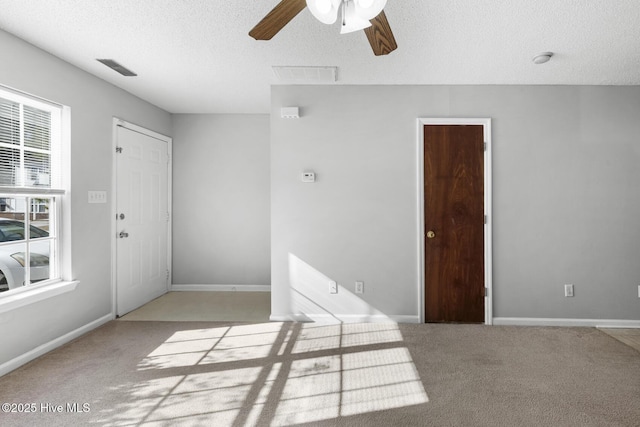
(142, 219)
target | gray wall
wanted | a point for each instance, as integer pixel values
(93, 104)
(221, 200)
(566, 203)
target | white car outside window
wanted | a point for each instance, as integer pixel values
(13, 255)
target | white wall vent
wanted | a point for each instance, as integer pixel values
(305, 75)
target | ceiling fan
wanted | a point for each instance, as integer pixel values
(356, 15)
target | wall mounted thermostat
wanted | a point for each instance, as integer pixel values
(308, 177)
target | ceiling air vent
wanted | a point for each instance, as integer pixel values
(117, 67)
(306, 75)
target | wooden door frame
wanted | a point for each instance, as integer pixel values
(114, 223)
(488, 253)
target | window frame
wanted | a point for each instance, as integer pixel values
(60, 277)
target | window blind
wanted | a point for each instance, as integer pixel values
(27, 145)
(9, 141)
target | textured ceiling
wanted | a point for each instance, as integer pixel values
(194, 56)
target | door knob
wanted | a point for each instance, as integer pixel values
(122, 235)
(431, 234)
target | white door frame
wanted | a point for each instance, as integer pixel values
(114, 223)
(488, 235)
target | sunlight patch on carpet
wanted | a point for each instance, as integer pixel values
(285, 373)
(329, 387)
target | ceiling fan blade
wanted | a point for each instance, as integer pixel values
(275, 20)
(380, 36)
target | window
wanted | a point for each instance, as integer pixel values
(31, 190)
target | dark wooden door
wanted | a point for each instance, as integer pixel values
(454, 223)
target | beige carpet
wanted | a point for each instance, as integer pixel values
(276, 374)
(206, 307)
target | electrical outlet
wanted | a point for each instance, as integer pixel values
(568, 290)
(359, 287)
(333, 287)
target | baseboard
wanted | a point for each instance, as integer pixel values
(344, 318)
(405, 319)
(221, 288)
(535, 321)
(27, 357)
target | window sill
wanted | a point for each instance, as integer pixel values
(21, 299)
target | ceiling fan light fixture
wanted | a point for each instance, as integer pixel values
(368, 9)
(351, 21)
(325, 11)
(356, 14)
(324, 6)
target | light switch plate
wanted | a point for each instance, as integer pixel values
(333, 287)
(568, 290)
(97, 196)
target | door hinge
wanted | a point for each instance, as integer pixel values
(168, 217)
(486, 292)
(485, 219)
(485, 146)
(168, 274)
(119, 150)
